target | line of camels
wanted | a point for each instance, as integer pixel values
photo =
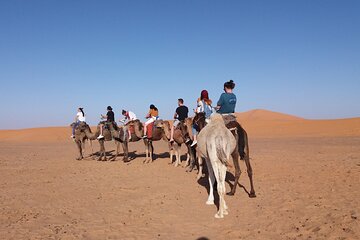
(218, 141)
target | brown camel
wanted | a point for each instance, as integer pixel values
(242, 148)
(80, 139)
(179, 139)
(136, 135)
(83, 132)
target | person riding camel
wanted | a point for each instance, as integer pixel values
(80, 117)
(153, 115)
(227, 101)
(110, 118)
(181, 113)
(128, 117)
(204, 106)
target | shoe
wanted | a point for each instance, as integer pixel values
(193, 143)
(171, 140)
(144, 137)
(187, 140)
(72, 136)
(100, 136)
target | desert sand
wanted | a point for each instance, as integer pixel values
(306, 176)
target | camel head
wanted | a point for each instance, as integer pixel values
(216, 118)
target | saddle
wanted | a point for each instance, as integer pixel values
(230, 121)
(151, 128)
(82, 126)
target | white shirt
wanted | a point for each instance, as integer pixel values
(132, 116)
(80, 117)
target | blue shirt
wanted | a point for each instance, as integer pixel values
(227, 103)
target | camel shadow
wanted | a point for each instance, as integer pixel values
(230, 179)
(205, 183)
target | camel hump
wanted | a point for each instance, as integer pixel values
(220, 145)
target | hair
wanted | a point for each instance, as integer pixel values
(82, 111)
(123, 112)
(109, 108)
(181, 100)
(152, 106)
(230, 84)
(204, 96)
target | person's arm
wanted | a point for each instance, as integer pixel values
(175, 115)
(220, 102)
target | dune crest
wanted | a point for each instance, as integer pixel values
(258, 123)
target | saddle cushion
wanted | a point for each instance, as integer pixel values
(149, 130)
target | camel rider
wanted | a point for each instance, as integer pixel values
(227, 101)
(80, 117)
(128, 117)
(109, 118)
(181, 113)
(204, 106)
(153, 115)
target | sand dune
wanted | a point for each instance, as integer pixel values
(258, 123)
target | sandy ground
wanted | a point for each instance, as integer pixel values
(306, 181)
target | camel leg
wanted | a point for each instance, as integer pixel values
(235, 156)
(92, 149)
(189, 154)
(192, 160)
(146, 150)
(249, 171)
(200, 161)
(223, 189)
(83, 147)
(78, 144)
(117, 151)
(187, 160)
(177, 155)
(171, 152)
(126, 151)
(217, 172)
(210, 200)
(102, 151)
(151, 150)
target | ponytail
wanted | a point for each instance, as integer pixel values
(82, 111)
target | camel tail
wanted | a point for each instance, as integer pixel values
(243, 144)
(220, 152)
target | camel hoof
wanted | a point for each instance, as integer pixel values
(78, 159)
(252, 195)
(230, 194)
(210, 202)
(217, 215)
(225, 212)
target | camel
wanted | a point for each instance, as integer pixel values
(83, 132)
(179, 139)
(242, 149)
(216, 144)
(157, 134)
(80, 139)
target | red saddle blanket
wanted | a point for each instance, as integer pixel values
(149, 130)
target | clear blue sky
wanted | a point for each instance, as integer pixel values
(297, 57)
